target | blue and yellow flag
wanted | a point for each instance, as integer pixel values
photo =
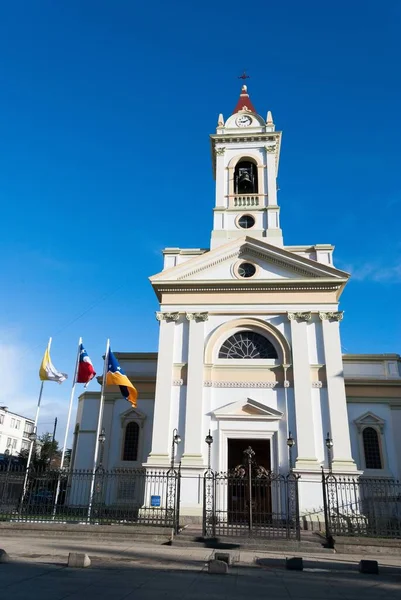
(116, 376)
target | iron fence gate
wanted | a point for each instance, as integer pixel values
(253, 505)
(362, 506)
(124, 496)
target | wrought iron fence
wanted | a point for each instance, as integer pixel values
(248, 503)
(362, 506)
(124, 496)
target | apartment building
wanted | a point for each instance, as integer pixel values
(14, 432)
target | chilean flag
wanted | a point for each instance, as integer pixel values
(86, 372)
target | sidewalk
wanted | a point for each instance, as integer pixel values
(124, 571)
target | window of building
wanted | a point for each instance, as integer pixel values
(14, 444)
(371, 447)
(24, 445)
(9, 442)
(13, 423)
(246, 269)
(131, 440)
(1, 419)
(246, 221)
(17, 424)
(247, 344)
(28, 428)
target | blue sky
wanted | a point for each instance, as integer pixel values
(96, 94)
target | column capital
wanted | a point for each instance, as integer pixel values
(197, 316)
(331, 316)
(299, 316)
(167, 316)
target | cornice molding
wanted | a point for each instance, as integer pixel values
(208, 265)
(274, 260)
(248, 251)
(234, 286)
(240, 384)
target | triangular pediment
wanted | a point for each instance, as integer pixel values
(369, 419)
(273, 264)
(132, 414)
(247, 409)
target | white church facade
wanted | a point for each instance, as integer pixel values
(249, 349)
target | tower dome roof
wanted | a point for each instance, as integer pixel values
(244, 102)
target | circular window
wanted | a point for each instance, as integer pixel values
(246, 221)
(246, 270)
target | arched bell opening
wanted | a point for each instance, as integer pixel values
(246, 178)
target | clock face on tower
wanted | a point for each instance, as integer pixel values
(243, 121)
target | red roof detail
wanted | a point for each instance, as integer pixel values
(244, 101)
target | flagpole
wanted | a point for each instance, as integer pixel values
(35, 427)
(98, 429)
(74, 381)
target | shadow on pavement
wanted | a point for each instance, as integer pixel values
(148, 577)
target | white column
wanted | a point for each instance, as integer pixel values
(305, 439)
(160, 454)
(339, 428)
(194, 438)
(271, 177)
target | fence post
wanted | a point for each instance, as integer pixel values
(177, 501)
(297, 523)
(209, 493)
(329, 537)
(250, 454)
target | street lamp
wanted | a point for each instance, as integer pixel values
(175, 442)
(32, 437)
(290, 444)
(329, 446)
(209, 442)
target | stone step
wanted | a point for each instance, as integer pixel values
(187, 539)
(137, 533)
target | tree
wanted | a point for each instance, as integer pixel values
(67, 457)
(45, 454)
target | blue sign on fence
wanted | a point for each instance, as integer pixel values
(155, 501)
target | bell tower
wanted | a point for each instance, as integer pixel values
(246, 152)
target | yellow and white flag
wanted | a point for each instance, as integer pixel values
(48, 371)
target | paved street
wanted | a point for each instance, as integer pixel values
(120, 571)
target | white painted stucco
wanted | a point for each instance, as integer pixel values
(293, 300)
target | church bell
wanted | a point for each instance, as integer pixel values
(245, 181)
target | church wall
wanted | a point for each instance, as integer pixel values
(180, 351)
(315, 341)
(87, 415)
(317, 414)
(113, 423)
(388, 446)
(396, 423)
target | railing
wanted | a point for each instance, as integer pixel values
(243, 201)
(251, 505)
(123, 496)
(368, 507)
